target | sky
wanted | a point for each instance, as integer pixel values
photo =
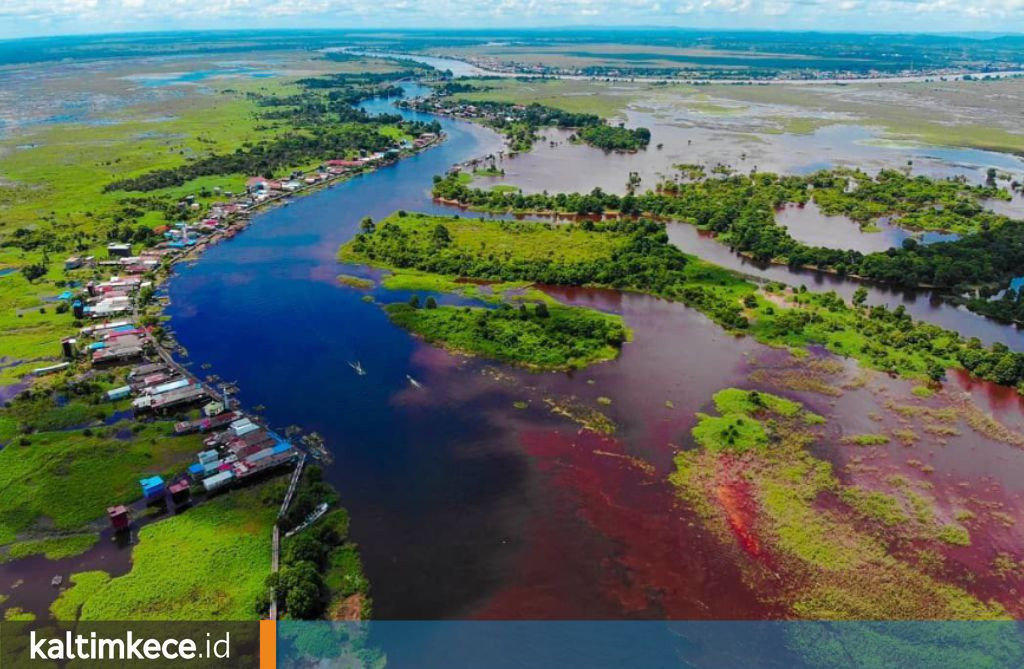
(21, 18)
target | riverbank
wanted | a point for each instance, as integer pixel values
(479, 70)
(599, 254)
(225, 221)
(542, 519)
(540, 495)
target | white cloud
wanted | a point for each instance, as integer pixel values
(37, 16)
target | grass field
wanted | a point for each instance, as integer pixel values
(509, 240)
(607, 100)
(209, 563)
(69, 478)
(973, 114)
(968, 114)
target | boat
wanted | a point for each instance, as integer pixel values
(358, 367)
(317, 513)
(414, 382)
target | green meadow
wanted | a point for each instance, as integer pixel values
(58, 483)
(209, 563)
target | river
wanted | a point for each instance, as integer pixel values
(462, 505)
(453, 501)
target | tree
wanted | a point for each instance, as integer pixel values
(755, 398)
(542, 310)
(414, 301)
(306, 547)
(367, 225)
(440, 236)
(936, 372)
(301, 588)
(34, 271)
(431, 303)
(1007, 370)
(860, 296)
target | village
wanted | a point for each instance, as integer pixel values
(117, 334)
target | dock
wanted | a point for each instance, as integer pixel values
(296, 475)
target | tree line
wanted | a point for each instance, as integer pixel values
(324, 123)
(740, 209)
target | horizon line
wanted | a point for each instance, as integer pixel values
(977, 35)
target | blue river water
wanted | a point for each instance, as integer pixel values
(265, 309)
(441, 492)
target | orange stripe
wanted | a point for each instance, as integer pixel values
(268, 644)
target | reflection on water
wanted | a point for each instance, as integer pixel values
(462, 504)
(807, 224)
(458, 68)
(195, 76)
(922, 305)
(556, 165)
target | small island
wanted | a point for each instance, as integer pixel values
(533, 335)
(514, 323)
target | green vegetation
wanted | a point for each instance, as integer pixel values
(578, 97)
(731, 432)
(636, 255)
(867, 439)
(323, 124)
(1008, 307)
(538, 336)
(448, 246)
(954, 534)
(762, 490)
(54, 548)
(736, 401)
(17, 614)
(621, 254)
(207, 564)
(918, 203)
(70, 478)
(734, 429)
(356, 282)
(741, 209)
(84, 585)
(615, 138)
(321, 573)
(212, 562)
(519, 123)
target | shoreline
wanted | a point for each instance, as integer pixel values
(235, 220)
(698, 81)
(949, 298)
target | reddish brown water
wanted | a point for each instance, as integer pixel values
(462, 504)
(27, 582)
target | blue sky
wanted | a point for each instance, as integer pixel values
(47, 17)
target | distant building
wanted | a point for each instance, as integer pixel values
(119, 250)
